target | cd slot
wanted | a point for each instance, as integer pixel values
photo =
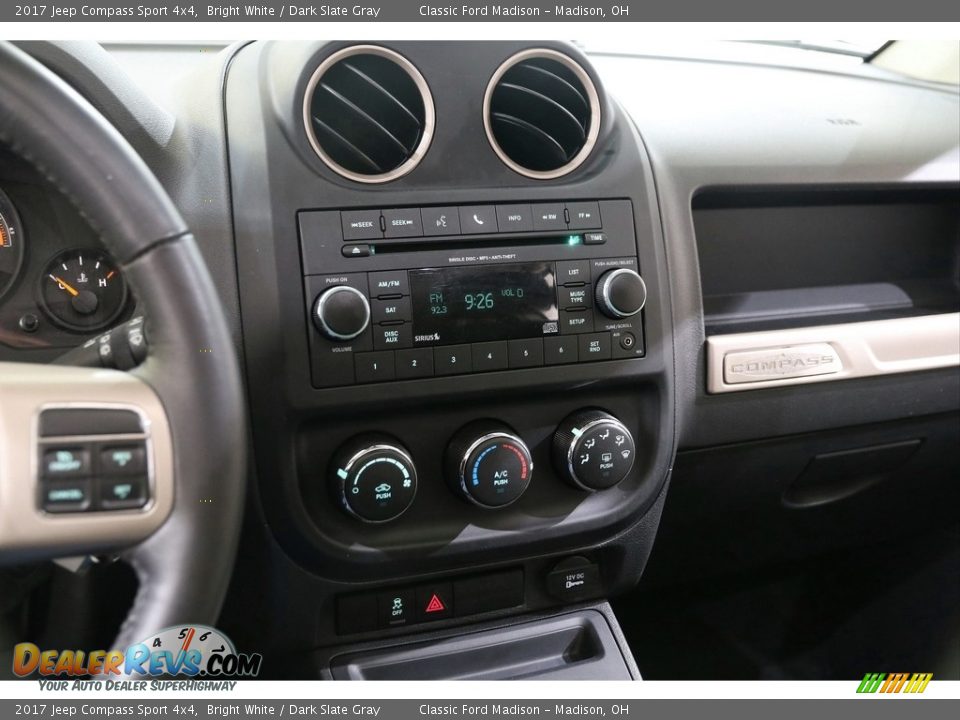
(473, 242)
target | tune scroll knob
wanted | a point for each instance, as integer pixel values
(374, 478)
(621, 293)
(487, 464)
(593, 450)
(341, 313)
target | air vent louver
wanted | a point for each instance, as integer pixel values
(369, 114)
(542, 113)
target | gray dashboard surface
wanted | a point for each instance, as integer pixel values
(734, 125)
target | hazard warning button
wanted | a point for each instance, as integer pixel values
(435, 602)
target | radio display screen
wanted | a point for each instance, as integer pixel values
(476, 304)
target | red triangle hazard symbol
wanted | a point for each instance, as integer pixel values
(435, 604)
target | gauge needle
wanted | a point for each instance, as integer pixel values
(64, 285)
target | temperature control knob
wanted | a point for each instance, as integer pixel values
(621, 293)
(374, 478)
(341, 313)
(593, 450)
(488, 464)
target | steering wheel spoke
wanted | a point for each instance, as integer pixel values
(86, 461)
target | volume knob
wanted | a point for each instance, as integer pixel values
(621, 293)
(341, 313)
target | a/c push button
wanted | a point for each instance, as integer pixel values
(488, 464)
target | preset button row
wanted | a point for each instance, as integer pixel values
(412, 363)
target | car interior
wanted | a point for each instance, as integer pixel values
(258, 372)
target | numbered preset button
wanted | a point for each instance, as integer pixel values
(452, 360)
(490, 356)
(415, 363)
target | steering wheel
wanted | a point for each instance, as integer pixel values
(185, 400)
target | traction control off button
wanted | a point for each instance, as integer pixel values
(573, 579)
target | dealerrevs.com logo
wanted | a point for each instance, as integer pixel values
(193, 651)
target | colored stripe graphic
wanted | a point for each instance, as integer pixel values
(892, 683)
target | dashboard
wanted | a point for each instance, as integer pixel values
(58, 285)
(509, 312)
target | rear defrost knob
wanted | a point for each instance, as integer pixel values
(593, 450)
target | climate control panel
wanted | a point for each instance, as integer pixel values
(486, 463)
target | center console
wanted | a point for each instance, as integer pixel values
(460, 369)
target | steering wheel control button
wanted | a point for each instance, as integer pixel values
(130, 459)
(584, 215)
(574, 579)
(478, 219)
(396, 608)
(593, 450)
(434, 602)
(621, 293)
(65, 462)
(125, 493)
(63, 496)
(487, 464)
(361, 225)
(341, 313)
(374, 478)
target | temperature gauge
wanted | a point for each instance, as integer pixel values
(82, 290)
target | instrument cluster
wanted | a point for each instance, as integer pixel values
(58, 285)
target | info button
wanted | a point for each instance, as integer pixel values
(514, 218)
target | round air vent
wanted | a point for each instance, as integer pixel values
(368, 114)
(542, 113)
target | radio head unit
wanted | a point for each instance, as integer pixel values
(420, 305)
